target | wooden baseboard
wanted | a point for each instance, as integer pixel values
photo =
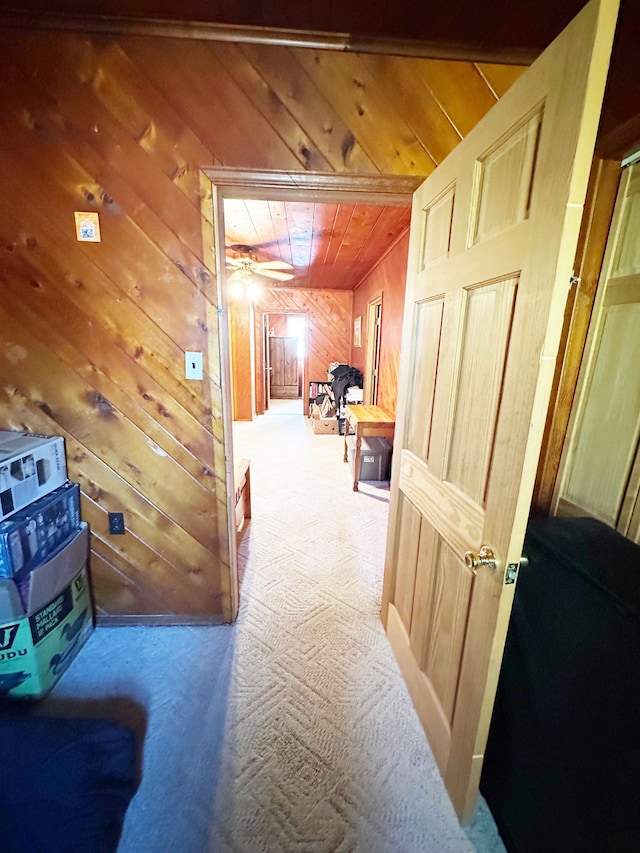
(119, 621)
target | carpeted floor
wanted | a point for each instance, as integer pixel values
(291, 730)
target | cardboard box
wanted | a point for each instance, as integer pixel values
(37, 648)
(374, 457)
(324, 426)
(34, 533)
(31, 466)
(11, 606)
(40, 584)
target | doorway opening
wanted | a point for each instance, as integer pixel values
(384, 190)
(284, 348)
(374, 326)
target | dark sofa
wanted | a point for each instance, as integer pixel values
(66, 783)
(562, 765)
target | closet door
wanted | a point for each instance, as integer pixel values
(283, 359)
(600, 472)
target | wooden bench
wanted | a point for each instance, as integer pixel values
(242, 480)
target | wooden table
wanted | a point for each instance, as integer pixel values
(366, 421)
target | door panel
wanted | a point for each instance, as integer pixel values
(427, 327)
(438, 216)
(409, 521)
(478, 383)
(442, 595)
(503, 179)
(494, 230)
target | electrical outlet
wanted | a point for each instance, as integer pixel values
(116, 522)
(193, 365)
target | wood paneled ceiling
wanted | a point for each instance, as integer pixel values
(434, 104)
(329, 245)
(337, 245)
(494, 31)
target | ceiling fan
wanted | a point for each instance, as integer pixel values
(244, 266)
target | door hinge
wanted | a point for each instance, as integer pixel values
(574, 279)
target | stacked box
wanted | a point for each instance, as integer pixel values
(46, 611)
(374, 457)
(31, 466)
(46, 627)
(34, 533)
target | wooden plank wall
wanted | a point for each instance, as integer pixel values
(388, 280)
(94, 335)
(328, 315)
(241, 344)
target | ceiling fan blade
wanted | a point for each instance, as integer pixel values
(272, 265)
(279, 276)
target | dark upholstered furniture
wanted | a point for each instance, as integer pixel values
(562, 767)
(66, 784)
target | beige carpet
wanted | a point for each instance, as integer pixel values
(292, 730)
(322, 748)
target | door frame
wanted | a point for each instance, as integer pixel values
(602, 191)
(373, 348)
(275, 185)
(264, 331)
(266, 363)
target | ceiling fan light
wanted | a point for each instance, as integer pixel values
(245, 265)
(237, 290)
(252, 291)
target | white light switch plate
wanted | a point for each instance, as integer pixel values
(193, 365)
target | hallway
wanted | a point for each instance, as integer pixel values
(290, 730)
(355, 770)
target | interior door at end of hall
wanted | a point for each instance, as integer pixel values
(493, 237)
(283, 360)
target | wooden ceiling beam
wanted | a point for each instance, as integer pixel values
(435, 48)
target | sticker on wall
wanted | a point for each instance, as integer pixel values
(87, 227)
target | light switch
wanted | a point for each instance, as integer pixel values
(193, 365)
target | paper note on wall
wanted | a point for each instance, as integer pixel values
(87, 227)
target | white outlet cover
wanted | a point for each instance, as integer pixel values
(193, 365)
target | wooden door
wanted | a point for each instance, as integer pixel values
(283, 360)
(494, 231)
(600, 470)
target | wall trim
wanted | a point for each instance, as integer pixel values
(317, 39)
(119, 621)
(396, 190)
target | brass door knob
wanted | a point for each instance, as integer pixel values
(484, 557)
